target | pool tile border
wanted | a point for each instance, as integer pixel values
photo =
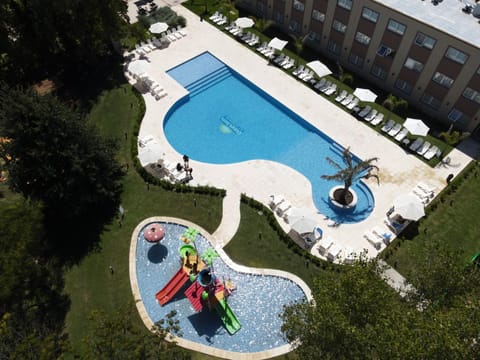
(188, 344)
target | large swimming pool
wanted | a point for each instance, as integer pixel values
(257, 301)
(227, 119)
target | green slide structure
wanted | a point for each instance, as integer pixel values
(228, 317)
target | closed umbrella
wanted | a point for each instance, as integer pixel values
(365, 95)
(158, 27)
(320, 68)
(244, 22)
(409, 207)
(416, 127)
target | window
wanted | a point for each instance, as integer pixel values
(457, 117)
(294, 26)
(456, 55)
(278, 17)
(346, 4)
(431, 101)
(355, 60)
(317, 15)
(313, 36)
(442, 79)
(425, 41)
(298, 5)
(471, 94)
(370, 15)
(404, 86)
(396, 27)
(339, 26)
(362, 38)
(384, 50)
(413, 65)
(378, 72)
(334, 47)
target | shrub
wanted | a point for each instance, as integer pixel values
(347, 79)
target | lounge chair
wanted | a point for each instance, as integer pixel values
(331, 90)
(371, 115)
(319, 84)
(323, 245)
(416, 144)
(424, 148)
(395, 130)
(283, 207)
(352, 103)
(333, 252)
(349, 256)
(289, 65)
(215, 15)
(347, 100)
(388, 126)
(286, 59)
(309, 76)
(373, 239)
(426, 188)
(222, 21)
(402, 134)
(325, 86)
(254, 41)
(298, 70)
(279, 59)
(431, 152)
(383, 233)
(181, 30)
(275, 200)
(364, 112)
(340, 97)
(262, 47)
(170, 36)
(176, 34)
(377, 119)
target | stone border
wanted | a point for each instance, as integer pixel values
(191, 345)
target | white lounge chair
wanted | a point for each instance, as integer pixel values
(388, 126)
(428, 189)
(214, 16)
(383, 233)
(333, 252)
(365, 111)
(347, 100)
(340, 97)
(424, 148)
(275, 200)
(283, 207)
(430, 153)
(298, 70)
(280, 58)
(353, 103)
(181, 30)
(373, 239)
(289, 65)
(262, 47)
(254, 40)
(323, 245)
(371, 115)
(416, 144)
(402, 134)
(331, 90)
(320, 84)
(377, 119)
(395, 129)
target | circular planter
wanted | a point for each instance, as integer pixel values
(339, 206)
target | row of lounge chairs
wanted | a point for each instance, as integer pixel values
(279, 204)
(425, 148)
(325, 86)
(378, 236)
(218, 18)
(155, 89)
(424, 192)
(154, 43)
(350, 101)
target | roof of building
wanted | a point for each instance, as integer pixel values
(446, 16)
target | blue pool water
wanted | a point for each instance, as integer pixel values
(227, 119)
(257, 301)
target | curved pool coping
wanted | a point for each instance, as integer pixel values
(192, 345)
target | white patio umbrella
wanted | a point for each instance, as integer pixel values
(416, 127)
(320, 68)
(158, 27)
(409, 206)
(244, 22)
(277, 44)
(304, 226)
(296, 213)
(365, 95)
(138, 67)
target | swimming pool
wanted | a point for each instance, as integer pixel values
(257, 301)
(227, 119)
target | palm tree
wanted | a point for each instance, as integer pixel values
(352, 172)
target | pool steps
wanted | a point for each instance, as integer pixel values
(207, 81)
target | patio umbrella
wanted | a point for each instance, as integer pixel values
(296, 213)
(138, 67)
(244, 22)
(154, 233)
(416, 127)
(320, 68)
(409, 206)
(158, 27)
(365, 95)
(277, 44)
(304, 226)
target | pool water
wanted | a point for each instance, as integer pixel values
(227, 119)
(257, 301)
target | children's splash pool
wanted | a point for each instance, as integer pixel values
(257, 301)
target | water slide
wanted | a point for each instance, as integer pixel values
(194, 294)
(172, 287)
(228, 317)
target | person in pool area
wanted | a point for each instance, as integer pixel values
(185, 160)
(179, 167)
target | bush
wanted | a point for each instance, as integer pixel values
(347, 79)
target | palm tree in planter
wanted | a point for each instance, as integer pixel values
(349, 174)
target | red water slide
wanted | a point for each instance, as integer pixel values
(172, 287)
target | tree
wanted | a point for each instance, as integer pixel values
(116, 336)
(60, 160)
(349, 174)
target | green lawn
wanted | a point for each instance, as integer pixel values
(452, 220)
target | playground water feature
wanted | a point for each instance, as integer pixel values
(257, 301)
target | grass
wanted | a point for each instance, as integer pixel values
(451, 220)
(90, 284)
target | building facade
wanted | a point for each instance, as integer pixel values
(425, 52)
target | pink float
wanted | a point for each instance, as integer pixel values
(154, 233)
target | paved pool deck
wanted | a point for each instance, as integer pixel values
(399, 170)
